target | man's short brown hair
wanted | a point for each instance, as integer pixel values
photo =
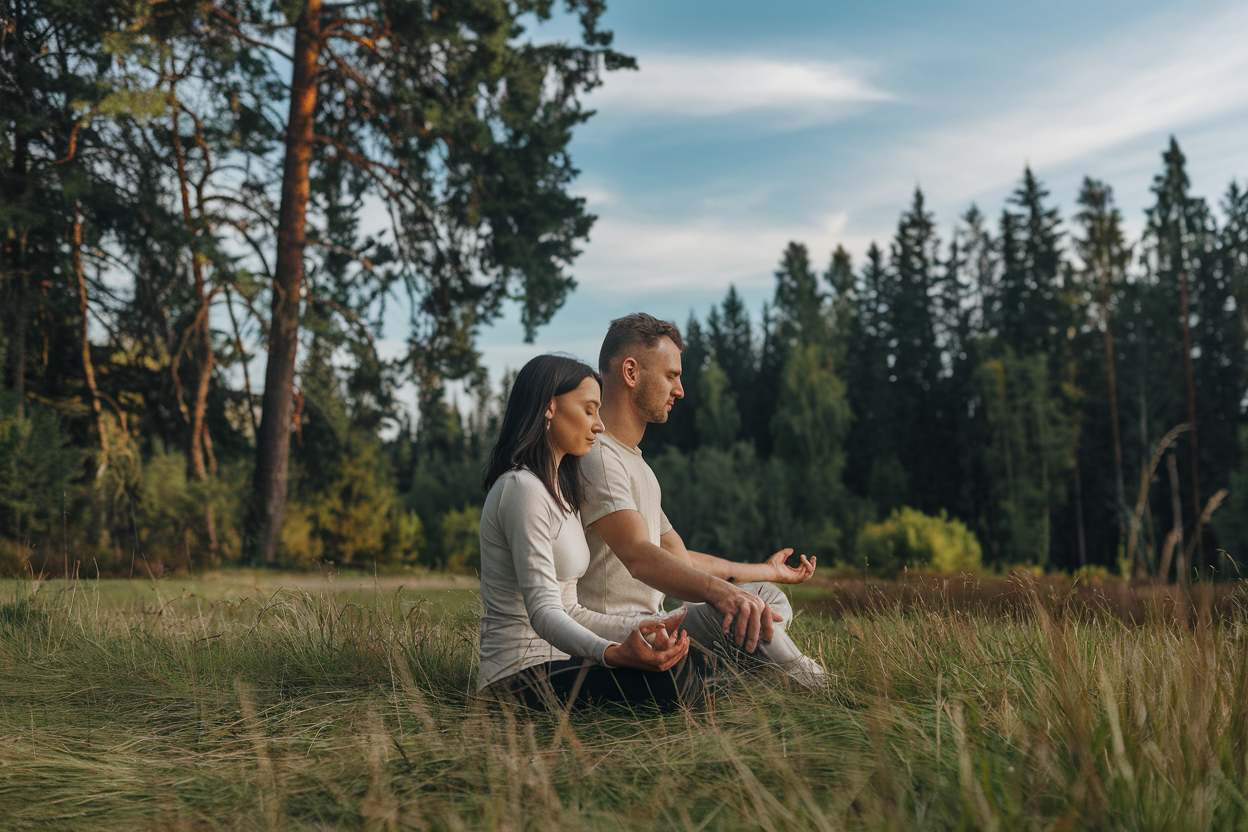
(633, 331)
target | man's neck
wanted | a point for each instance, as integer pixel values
(621, 419)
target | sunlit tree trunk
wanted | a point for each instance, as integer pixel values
(273, 442)
(199, 331)
(87, 366)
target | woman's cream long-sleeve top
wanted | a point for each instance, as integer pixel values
(532, 554)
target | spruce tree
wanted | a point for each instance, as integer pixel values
(799, 303)
(1030, 315)
(730, 340)
(1178, 242)
(1105, 256)
(913, 356)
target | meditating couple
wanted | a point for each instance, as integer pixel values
(577, 554)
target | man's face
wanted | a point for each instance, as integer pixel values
(658, 381)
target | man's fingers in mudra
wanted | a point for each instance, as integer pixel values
(780, 557)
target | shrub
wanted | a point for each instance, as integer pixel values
(354, 519)
(461, 538)
(37, 464)
(14, 558)
(910, 538)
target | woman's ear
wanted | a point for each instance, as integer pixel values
(550, 410)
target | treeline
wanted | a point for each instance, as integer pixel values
(1020, 376)
(188, 185)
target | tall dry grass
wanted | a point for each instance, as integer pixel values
(303, 712)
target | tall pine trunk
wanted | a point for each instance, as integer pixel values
(273, 441)
(200, 332)
(1191, 408)
(19, 279)
(88, 367)
(1111, 377)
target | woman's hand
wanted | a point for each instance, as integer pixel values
(785, 574)
(637, 650)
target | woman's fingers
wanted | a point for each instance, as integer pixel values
(668, 658)
(667, 650)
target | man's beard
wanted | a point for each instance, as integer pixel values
(652, 402)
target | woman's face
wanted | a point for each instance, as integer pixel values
(574, 418)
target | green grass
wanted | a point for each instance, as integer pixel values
(336, 707)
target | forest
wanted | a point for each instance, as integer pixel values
(188, 186)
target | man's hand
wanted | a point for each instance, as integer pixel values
(752, 618)
(785, 574)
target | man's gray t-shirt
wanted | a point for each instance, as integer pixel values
(618, 479)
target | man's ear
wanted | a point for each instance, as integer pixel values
(631, 371)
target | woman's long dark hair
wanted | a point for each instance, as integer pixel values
(524, 440)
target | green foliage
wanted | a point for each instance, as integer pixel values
(354, 516)
(1231, 521)
(172, 523)
(717, 417)
(809, 428)
(910, 538)
(37, 464)
(461, 539)
(721, 505)
(1029, 457)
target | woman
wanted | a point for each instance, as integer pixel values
(537, 643)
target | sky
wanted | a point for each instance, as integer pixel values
(749, 125)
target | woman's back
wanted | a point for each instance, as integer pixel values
(533, 551)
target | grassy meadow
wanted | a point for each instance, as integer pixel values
(259, 701)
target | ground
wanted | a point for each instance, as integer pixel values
(254, 700)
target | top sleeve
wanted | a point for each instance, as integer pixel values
(615, 627)
(530, 524)
(665, 525)
(607, 487)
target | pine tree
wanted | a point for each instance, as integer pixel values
(843, 323)
(717, 417)
(1178, 239)
(873, 467)
(730, 339)
(913, 355)
(799, 301)
(1105, 256)
(1029, 313)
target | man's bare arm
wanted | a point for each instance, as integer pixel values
(773, 570)
(628, 536)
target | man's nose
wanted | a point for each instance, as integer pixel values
(678, 391)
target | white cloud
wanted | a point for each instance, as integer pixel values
(647, 255)
(1149, 81)
(710, 85)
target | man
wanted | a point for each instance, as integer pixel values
(635, 555)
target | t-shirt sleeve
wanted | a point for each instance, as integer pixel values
(665, 525)
(530, 524)
(607, 486)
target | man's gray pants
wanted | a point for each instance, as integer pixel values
(706, 627)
